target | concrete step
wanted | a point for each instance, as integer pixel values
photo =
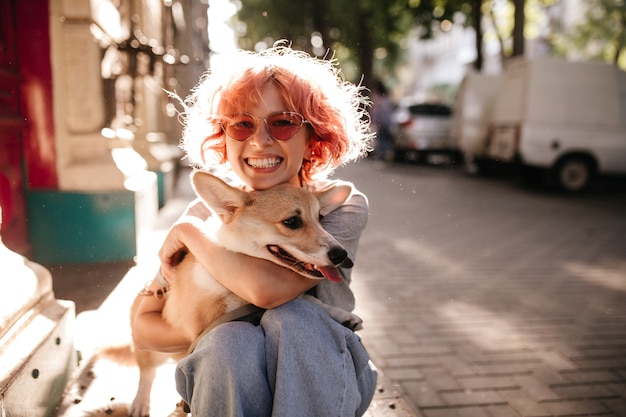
(37, 354)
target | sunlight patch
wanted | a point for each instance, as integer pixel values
(613, 278)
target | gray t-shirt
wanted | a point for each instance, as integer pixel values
(346, 224)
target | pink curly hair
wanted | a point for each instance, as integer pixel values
(335, 109)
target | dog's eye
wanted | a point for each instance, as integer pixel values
(293, 223)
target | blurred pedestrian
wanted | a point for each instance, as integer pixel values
(381, 115)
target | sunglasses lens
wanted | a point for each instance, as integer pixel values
(284, 126)
(240, 127)
(281, 126)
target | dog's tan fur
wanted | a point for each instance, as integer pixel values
(256, 223)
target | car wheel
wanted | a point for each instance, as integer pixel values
(573, 174)
(470, 164)
(416, 157)
(399, 155)
(475, 166)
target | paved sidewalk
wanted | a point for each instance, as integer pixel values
(484, 299)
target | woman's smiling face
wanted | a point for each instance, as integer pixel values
(261, 161)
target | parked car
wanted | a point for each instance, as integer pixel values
(421, 129)
(562, 122)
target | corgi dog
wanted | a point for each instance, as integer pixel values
(280, 224)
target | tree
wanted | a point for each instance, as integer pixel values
(600, 35)
(355, 31)
(361, 31)
(518, 27)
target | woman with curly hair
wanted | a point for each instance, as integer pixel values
(278, 116)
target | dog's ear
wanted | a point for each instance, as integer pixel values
(220, 197)
(333, 197)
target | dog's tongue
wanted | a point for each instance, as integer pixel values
(331, 273)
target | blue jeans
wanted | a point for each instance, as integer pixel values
(297, 362)
(384, 144)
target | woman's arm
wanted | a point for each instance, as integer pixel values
(258, 281)
(150, 331)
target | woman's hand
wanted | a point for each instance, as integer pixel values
(175, 248)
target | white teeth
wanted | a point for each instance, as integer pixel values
(263, 163)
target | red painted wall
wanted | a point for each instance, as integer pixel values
(27, 145)
(33, 49)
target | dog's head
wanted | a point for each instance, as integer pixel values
(280, 224)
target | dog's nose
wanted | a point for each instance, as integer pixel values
(337, 255)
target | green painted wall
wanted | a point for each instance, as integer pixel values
(73, 227)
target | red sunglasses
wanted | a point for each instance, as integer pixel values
(281, 126)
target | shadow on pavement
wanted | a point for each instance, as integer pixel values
(87, 285)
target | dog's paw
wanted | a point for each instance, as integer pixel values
(349, 320)
(111, 410)
(139, 408)
(353, 322)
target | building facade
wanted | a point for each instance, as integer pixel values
(88, 138)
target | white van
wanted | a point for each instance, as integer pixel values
(566, 119)
(473, 107)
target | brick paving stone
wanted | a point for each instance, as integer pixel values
(404, 336)
(456, 412)
(456, 366)
(493, 382)
(471, 353)
(464, 398)
(556, 361)
(616, 405)
(568, 351)
(619, 387)
(583, 391)
(442, 337)
(415, 361)
(505, 368)
(405, 374)
(536, 389)
(576, 408)
(600, 363)
(440, 379)
(501, 411)
(427, 350)
(387, 346)
(604, 351)
(422, 394)
(523, 404)
(548, 375)
(592, 376)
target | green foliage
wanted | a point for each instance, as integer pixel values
(359, 32)
(366, 36)
(600, 36)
